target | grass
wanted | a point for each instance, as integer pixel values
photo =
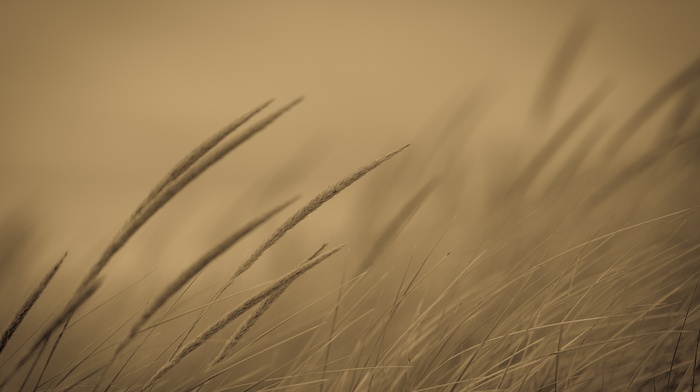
(577, 270)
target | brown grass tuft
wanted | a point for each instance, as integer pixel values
(237, 312)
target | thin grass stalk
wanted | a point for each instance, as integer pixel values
(103, 303)
(479, 306)
(196, 154)
(678, 341)
(133, 353)
(147, 368)
(696, 368)
(83, 378)
(306, 210)
(467, 366)
(315, 326)
(662, 335)
(33, 366)
(25, 341)
(378, 327)
(298, 365)
(48, 358)
(334, 320)
(84, 294)
(73, 367)
(388, 316)
(28, 304)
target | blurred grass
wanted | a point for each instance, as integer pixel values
(569, 267)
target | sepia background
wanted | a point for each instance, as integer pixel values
(99, 100)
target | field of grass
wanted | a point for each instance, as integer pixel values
(567, 262)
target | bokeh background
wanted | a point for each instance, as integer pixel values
(99, 100)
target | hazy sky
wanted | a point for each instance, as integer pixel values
(98, 99)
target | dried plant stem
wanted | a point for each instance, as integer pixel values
(235, 313)
(306, 210)
(196, 154)
(28, 304)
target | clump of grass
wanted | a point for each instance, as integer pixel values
(200, 159)
(275, 287)
(184, 172)
(191, 272)
(295, 219)
(180, 176)
(577, 288)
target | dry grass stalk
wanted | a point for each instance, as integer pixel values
(197, 153)
(29, 303)
(310, 207)
(249, 322)
(237, 312)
